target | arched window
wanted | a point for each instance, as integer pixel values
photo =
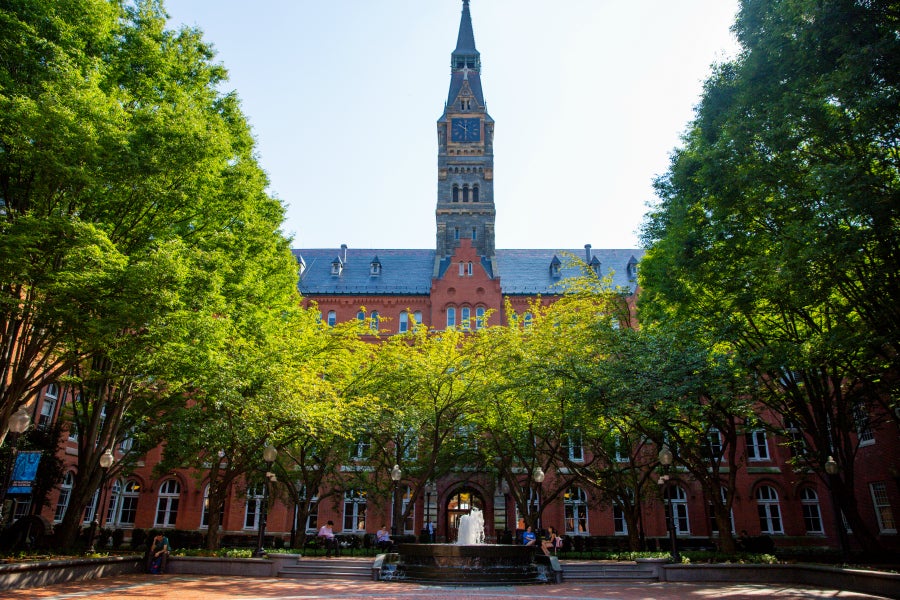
(812, 516)
(576, 512)
(528, 319)
(456, 193)
(312, 512)
(332, 318)
(451, 317)
(465, 193)
(112, 509)
(204, 520)
(769, 510)
(361, 315)
(713, 523)
(48, 407)
(404, 322)
(465, 315)
(355, 510)
(678, 497)
(375, 322)
(167, 504)
(253, 506)
(91, 509)
(417, 316)
(65, 490)
(479, 317)
(475, 194)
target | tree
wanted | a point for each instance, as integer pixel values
(777, 222)
(132, 206)
(424, 385)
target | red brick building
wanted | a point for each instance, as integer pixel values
(461, 279)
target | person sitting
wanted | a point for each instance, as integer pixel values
(158, 555)
(326, 534)
(383, 539)
(553, 541)
(528, 537)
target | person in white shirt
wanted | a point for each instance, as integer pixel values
(383, 539)
(326, 534)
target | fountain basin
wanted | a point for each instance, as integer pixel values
(494, 564)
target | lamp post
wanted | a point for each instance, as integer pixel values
(269, 455)
(106, 461)
(832, 469)
(18, 423)
(666, 459)
(430, 488)
(538, 476)
(396, 474)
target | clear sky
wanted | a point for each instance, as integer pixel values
(589, 98)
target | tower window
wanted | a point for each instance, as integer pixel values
(465, 193)
(456, 193)
(474, 234)
(475, 193)
(456, 233)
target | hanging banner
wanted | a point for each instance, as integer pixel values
(24, 472)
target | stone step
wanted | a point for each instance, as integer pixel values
(608, 571)
(335, 568)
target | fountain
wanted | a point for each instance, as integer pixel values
(469, 561)
(471, 529)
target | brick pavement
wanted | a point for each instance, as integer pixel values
(197, 587)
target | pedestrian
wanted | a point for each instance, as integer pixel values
(326, 534)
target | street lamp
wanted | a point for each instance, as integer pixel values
(666, 459)
(106, 461)
(269, 455)
(538, 476)
(18, 423)
(832, 469)
(430, 488)
(396, 474)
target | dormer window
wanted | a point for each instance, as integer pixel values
(375, 267)
(337, 266)
(555, 266)
(631, 269)
(595, 266)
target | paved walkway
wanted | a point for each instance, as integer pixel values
(197, 587)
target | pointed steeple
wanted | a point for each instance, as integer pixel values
(465, 41)
(465, 62)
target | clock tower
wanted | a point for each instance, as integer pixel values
(465, 203)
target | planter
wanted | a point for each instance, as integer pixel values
(51, 572)
(203, 565)
(855, 580)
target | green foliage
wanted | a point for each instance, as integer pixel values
(776, 230)
(218, 553)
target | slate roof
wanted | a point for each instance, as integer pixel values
(527, 271)
(403, 272)
(408, 272)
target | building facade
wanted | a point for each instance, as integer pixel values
(461, 280)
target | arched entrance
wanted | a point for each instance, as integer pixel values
(460, 503)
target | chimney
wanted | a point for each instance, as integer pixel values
(587, 253)
(344, 253)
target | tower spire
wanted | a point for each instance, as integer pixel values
(465, 41)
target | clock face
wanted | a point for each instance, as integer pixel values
(465, 130)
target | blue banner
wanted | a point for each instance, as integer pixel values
(24, 472)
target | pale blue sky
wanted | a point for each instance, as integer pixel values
(589, 98)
